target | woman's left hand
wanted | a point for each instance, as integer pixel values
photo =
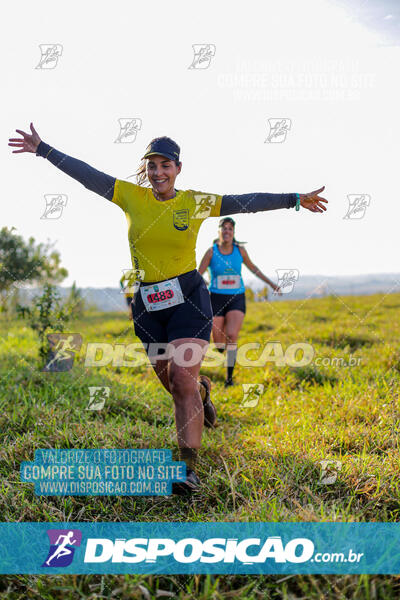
(313, 201)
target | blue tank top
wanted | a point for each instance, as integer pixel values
(225, 272)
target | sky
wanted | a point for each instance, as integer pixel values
(326, 70)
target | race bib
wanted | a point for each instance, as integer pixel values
(228, 282)
(162, 295)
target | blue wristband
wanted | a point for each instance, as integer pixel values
(298, 202)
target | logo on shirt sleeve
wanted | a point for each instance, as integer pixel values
(181, 219)
(204, 205)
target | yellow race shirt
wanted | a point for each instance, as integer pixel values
(162, 234)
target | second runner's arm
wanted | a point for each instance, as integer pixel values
(252, 267)
(205, 261)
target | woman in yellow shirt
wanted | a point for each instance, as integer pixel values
(172, 305)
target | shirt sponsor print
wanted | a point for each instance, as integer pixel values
(181, 219)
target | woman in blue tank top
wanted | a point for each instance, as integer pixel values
(227, 290)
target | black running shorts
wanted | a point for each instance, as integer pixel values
(191, 319)
(223, 303)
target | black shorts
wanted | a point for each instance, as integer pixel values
(223, 303)
(191, 319)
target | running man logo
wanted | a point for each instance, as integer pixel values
(54, 206)
(62, 351)
(329, 473)
(49, 56)
(278, 129)
(98, 396)
(62, 547)
(203, 54)
(286, 279)
(358, 204)
(252, 393)
(181, 219)
(130, 281)
(204, 205)
(128, 129)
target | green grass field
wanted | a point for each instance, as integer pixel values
(260, 464)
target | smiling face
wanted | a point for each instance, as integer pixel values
(226, 233)
(162, 173)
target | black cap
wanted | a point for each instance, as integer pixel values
(164, 146)
(226, 220)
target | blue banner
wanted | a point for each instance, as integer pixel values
(185, 548)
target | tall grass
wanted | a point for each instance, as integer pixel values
(260, 464)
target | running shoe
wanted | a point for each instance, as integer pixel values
(187, 487)
(210, 414)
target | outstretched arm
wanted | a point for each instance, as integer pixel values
(252, 267)
(205, 261)
(94, 180)
(259, 201)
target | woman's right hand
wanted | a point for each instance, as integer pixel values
(28, 143)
